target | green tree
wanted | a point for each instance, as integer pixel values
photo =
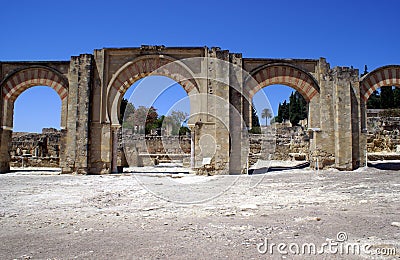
(127, 111)
(175, 120)
(254, 117)
(374, 101)
(396, 95)
(387, 97)
(122, 108)
(294, 109)
(279, 117)
(160, 121)
(266, 113)
(146, 117)
(302, 105)
(285, 111)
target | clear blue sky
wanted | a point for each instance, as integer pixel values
(346, 32)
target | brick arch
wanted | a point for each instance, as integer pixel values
(141, 67)
(283, 74)
(23, 79)
(383, 76)
(20, 80)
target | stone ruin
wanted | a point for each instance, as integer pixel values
(36, 149)
(220, 85)
(149, 150)
(383, 136)
(287, 142)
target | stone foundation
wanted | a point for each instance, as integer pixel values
(383, 132)
(283, 142)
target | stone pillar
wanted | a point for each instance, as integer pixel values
(355, 98)
(363, 133)
(77, 132)
(5, 142)
(114, 145)
(192, 147)
(218, 104)
(344, 79)
(238, 146)
(100, 147)
(321, 117)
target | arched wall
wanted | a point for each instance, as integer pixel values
(284, 74)
(21, 80)
(279, 73)
(380, 77)
(143, 66)
(383, 76)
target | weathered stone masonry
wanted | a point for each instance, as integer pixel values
(91, 87)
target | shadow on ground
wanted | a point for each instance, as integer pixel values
(394, 166)
(27, 170)
(278, 168)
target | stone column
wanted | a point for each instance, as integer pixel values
(343, 126)
(5, 142)
(192, 147)
(5, 134)
(114, 156)
(363, 133)
(218, 104)
(238, 146)
(77, 132)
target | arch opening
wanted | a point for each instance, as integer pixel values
(281, 124)
(283, 74)
(11, 88)
(154, 114)
(380, 113)
(135, 71)
(36, 128)
(291, 78)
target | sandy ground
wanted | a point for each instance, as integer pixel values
(157, 215)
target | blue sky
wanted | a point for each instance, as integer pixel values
(347, 33)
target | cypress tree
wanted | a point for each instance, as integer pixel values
(254, 118)
(294, 109)
(285, 111)
(302, 104)
(279, 117)
(374, 101)
(387, 97)
(396, 95)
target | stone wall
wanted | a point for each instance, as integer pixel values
(141, 150)
(43, 150)
(383, 132)
(282, 142)
(38, 150)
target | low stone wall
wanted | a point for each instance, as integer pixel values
(37, 149)
(141, 150)
(280, 142)
(50, 162)
(383, 133)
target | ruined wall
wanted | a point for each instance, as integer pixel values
(283, 143)
(92, 86)
(43, 149)
(38, 150)
(141, 150)
(383, 134)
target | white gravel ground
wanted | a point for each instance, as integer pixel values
(158, 215)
